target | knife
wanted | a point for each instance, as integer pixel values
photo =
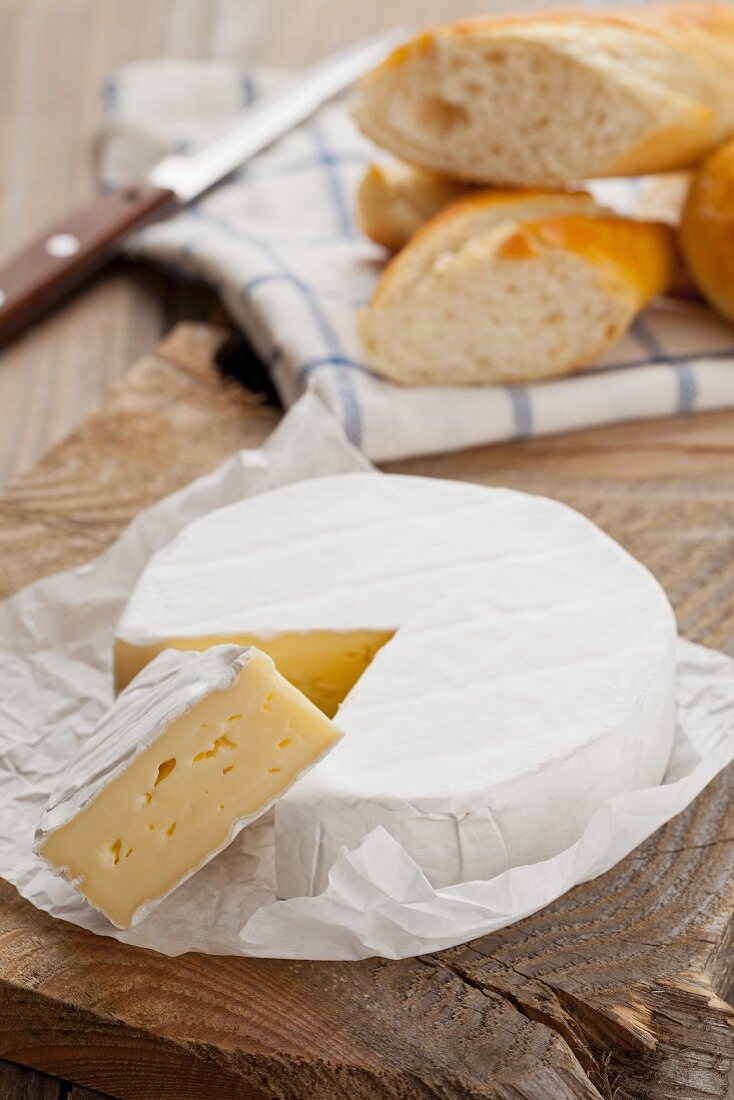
(67, 253)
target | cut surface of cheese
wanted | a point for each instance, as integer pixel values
(199, 745)
(525, 673)
(322, 665)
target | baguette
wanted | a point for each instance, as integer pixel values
(505, 287)
(396, 199)
(707, 230)
(545, 99)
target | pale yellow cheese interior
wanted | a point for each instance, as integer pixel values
(224, 760)
(324, 665)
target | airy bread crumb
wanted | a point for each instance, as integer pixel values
(510, 288)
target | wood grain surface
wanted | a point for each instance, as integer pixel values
(621, 989)
(20, 1083)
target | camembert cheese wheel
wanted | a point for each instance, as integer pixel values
(499, 665)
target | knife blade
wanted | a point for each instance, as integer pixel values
(57, 261)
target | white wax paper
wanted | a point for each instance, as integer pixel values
(55, 682)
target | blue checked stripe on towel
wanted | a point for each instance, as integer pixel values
(279, 242)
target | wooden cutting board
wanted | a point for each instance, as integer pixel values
(619, 989)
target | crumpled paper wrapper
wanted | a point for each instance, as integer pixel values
(56, 680)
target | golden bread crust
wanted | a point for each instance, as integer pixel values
(707, 230)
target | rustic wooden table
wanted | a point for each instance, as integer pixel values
(53, 57)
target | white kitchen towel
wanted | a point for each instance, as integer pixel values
(279, 242)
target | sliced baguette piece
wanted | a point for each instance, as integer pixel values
(545, 99)
(395, 199)
(707, 230)
(512, 288)
(417, 190)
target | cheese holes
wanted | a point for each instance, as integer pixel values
(171, 829)
(222, 742)
(268, 701)
(228, 769)
(115, 851)
(164, 770)
(284, 743)
(234, 717)
(273, 771)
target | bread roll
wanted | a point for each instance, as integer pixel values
(506, 287)
(396, 199)
(545, 99)
(707, 230)
(661, 199)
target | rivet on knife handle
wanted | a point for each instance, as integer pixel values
(59, 259)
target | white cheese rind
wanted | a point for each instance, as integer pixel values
(530, 675)
(166, 689)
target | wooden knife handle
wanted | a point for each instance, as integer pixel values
(59, 259)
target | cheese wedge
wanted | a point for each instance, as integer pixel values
(521, 672)
(198, 746)
(323, 665)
